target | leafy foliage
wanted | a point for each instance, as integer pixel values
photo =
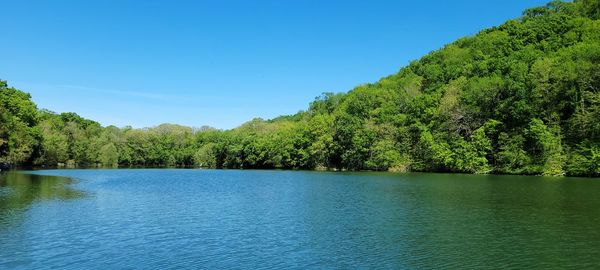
(520, 98)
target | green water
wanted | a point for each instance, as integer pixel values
(173, 219)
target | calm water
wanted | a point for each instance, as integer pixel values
(171, 219)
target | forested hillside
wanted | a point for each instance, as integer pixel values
(520, 98)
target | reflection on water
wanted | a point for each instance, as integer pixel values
(237, 219)
(19, 190)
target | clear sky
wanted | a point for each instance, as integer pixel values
(220, 62)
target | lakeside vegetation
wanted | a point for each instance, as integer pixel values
(520, 98)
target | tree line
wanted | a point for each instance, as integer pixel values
(519, 98)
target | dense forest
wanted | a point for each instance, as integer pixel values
(520, 98)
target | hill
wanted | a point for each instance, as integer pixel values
(519, 98)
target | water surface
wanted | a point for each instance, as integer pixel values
(172, 219)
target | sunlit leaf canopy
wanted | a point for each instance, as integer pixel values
(519, 98)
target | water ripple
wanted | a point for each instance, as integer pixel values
(174, 219)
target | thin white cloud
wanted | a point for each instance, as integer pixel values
(122, 92)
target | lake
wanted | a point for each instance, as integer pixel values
(231, 219)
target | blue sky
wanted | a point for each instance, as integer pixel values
(221, 62)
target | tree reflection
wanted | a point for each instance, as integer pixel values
(19, 190)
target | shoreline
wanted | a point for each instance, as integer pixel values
(29, 168)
